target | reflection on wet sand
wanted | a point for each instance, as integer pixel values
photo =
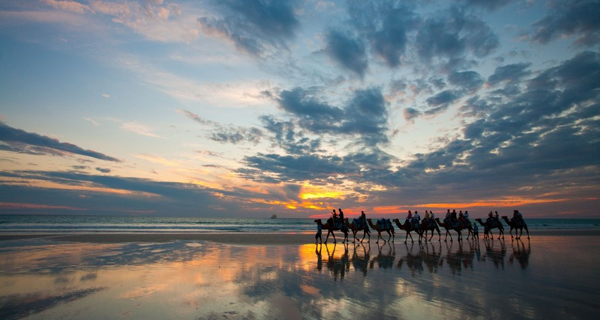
(186, 279)
(460, 256)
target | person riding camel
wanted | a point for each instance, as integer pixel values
(466, 216)
(454, 218)
(341, 215)
(426, 219)
(362, 219)
(497, 217)
(415, 220)
(334, 217)
(461, 217)
(409, 217)
(518, 218)
(491, 220)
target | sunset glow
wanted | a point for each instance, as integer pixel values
(252, 108)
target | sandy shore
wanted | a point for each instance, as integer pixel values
(237, 238)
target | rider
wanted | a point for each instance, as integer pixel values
(341, 215)
(497, 218)
(461, 216)
(467, 216)
(453, 215)
(518, 217)
(491, 219)
(415, 220)
(334, 216)
(409, 217)
(363, 219)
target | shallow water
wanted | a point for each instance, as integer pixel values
(546, 278)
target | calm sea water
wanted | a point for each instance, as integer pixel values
(85, 224)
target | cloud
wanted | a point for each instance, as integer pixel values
(490, 5)
(349, 53)
(289, 137)
(17, 140)
(385, 25)
(365, 114)
(254, 26)
(236, 135)
(226, 134)
(444, 97)
(452, 34)
(106, 95)
(509, 73)
(411, 113)
(569, 18)
(195, 117)
(103, 170)
(467, 80)
(139, 129)
(66, 5)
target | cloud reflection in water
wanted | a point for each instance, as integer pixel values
(183, 279)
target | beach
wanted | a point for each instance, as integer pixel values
(275, 276)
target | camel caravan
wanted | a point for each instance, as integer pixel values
(452, 222)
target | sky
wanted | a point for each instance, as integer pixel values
(246, 108)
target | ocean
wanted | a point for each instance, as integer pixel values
(143, 224)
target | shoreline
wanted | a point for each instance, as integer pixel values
(241, 238)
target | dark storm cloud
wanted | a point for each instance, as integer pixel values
(365, 114)
(452, 34)
(510, 73)
(253, 25)
(347, 51)
(17, 140)
(385, 25)
(567, 18)
(103, 170)
(467, 80)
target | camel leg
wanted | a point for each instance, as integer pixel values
(527, 232)
(333, 234)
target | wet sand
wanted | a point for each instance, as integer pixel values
(240, 238)
(165, 276)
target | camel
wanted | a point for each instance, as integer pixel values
(408, 228)
(330, 228)
(379, 229)
(424, 227)
(458, 229)
(514, 225)
(487, 228)
(355, 229)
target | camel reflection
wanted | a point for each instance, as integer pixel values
(520, 253)
(384, 260)
(338, 265)
(417, 258)
(495, 252)
(462, 258)
(414, 261)
(361, 262)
